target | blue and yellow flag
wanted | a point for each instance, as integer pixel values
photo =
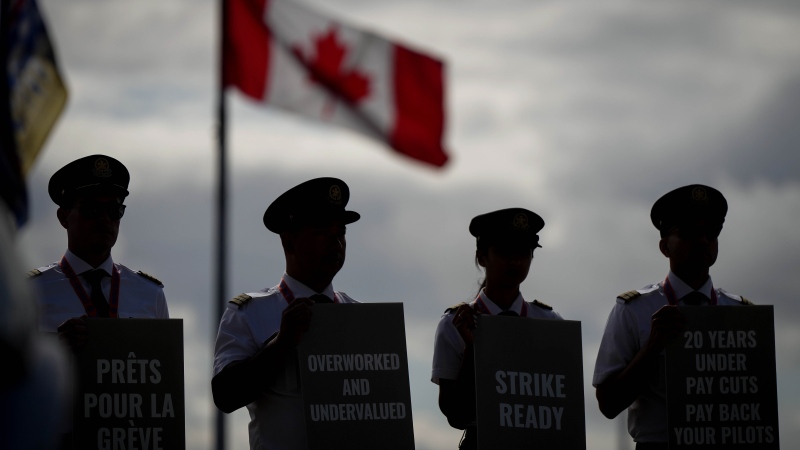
(33, 97)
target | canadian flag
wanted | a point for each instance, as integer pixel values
(281, 53)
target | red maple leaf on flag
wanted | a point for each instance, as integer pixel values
(325, 68)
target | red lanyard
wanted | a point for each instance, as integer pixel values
(479, 303)
(672, 300)
(113, 303)
(289, 295)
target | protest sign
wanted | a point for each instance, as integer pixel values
(529, 384)
(130, 393)
(721, 386)
(354, 378)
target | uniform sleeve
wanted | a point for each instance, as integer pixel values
(619, 345)
(235, 341)
(448, 350)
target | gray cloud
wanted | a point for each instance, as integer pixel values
(766, 147)
(585, 113)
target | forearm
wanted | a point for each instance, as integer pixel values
(620, 390)
(457, 397)
(241, 382)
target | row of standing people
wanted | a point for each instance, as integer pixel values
(255, 360)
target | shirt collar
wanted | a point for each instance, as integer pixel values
(682, 289)
(495, 310)
(80, 266)
(301, 290)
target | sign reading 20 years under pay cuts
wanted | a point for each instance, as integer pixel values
(529, 384)
(354, 377)
(721, 384)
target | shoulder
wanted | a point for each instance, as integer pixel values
(240, 300)
(150, 277)
(638, 294)
(541, 310)
(446, 319)
(542, 305)
(344, 298)
(246, 300)
(454, 307)
(41, 270)
(727, 297)
(139, 275)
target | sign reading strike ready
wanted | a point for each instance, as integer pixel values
(721, 385)
(130, 393)
(529, 384)
(354, 375)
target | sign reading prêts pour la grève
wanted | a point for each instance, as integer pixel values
(131, 386)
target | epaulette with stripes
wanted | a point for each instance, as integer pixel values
(240, 300)
(454, 307)
(150, 277)
(630, 295)
(34, 273)
(542, 305)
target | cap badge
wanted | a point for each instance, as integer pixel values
(699, 194)
(520, 222)
(101, 168)
(335, 194)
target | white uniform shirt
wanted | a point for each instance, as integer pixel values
(627, 331)
(139, 297)
(276, 417)
(448, 347)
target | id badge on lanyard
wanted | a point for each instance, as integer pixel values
(113, 302)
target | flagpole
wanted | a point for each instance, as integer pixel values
(622, 432)
(221, 257)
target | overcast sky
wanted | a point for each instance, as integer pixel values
(584, 112)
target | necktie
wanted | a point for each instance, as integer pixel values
(694, 298)
(94, 277)
(508, 313)
(319, 298)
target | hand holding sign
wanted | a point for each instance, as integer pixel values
(667, 323)
(465, 321)
(74, 333)
(295, 321)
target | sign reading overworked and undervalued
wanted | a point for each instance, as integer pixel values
(721, 386)
(529, 384)
(130, 393)
(354, 377)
